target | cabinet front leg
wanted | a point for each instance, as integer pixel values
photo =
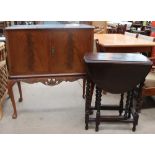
(10, 91)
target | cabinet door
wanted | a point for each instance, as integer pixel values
(61, 52)
(68, 47)
(82, 43)
(28, 52)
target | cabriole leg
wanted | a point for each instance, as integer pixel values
(10, 92)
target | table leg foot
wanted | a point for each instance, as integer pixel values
(97, 129)
(86, 127)
(20, 99)
(14, 116)
(134, 129)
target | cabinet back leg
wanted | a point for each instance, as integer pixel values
(20, 91)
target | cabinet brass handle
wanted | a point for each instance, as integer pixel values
(52, 51)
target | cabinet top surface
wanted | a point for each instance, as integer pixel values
(50, 26)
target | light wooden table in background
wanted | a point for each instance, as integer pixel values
(123, 43)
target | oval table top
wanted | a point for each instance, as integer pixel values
(117, 72)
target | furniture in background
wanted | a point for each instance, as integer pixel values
(3, 25)
(153, 49)
(100, 27)
(141, 27)
(118, 27)
(148, 88)
(24, 22)
(131, 34)
(86, 22)
(2, 51)
(149, 38)
(114, 24)
(3, 77)
(143, 32)
(44, 55)
(3, 85)
(121, 28)
(123, 43)
(136, 24)
(116, 73)
(111, 29)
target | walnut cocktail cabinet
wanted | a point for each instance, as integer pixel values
(47, 53)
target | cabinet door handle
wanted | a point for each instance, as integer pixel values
(52, 51)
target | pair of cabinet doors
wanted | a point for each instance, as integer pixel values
(56, 51)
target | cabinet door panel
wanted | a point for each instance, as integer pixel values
(59, 52)
(28, 52)
(82, 43)
(68, 48)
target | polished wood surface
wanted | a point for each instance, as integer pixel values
(47, 49)
(117, 58)
(46, 53)
(123, 43)
(117, 72)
